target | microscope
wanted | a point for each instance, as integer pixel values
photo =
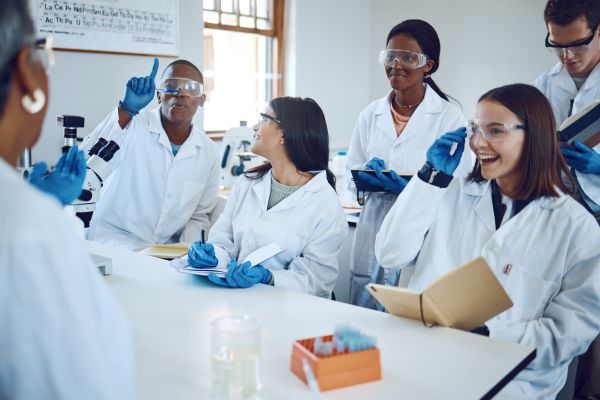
(237, 157)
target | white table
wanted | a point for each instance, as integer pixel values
(170, 314)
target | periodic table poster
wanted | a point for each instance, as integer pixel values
(120, 26)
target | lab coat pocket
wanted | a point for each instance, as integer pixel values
(528, 292)
(190, 195)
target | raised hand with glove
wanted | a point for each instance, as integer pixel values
(443, 157)
(393, 183)
(582, 158)
(202, 255)
(242, 275)
(66, 179)
(139, 92)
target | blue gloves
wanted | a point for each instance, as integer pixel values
(66, 179)
(393, 183)
(202, 255)
(139, 92)
(439, 155)
(582, 158)
(242, 275)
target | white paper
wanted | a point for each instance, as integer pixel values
(255, 258)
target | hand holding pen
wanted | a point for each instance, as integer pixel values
(202, 254)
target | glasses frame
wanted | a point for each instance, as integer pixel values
(179, 91)
(423, 58)
(567, 48)
(477, 122)
(268, 117)
(46, 44)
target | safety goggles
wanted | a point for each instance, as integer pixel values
(265, 118)
(45, 51)
(574, 49)
(405, 58)
(184, 86)
(493, 132)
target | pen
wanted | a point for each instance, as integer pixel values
(202, 237)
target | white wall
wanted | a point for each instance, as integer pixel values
(91, 84)
(485, 43)
(327, 59)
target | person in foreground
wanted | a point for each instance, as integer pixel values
(514, 211)
(290, 200)
(62, 334)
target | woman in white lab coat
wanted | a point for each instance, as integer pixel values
(514, 211)
(290, 201)
(62, 334)
(394, 133)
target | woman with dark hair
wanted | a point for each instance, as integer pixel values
(515, 211)
(290, 200)
(394, 133)
(62, 333)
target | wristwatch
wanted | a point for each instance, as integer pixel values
(434, 177)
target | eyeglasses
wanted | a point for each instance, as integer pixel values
(574, 49)
(493, 132)
(266, 118)
(45, 51)
(405, 58)
(184, 86)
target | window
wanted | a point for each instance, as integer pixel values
(243, 59)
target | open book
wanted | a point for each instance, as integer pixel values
(583, 126)
(464, 298)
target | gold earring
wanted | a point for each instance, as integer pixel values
(35, 105)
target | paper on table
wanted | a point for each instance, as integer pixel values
(255, 258)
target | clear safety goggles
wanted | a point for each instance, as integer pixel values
(184, 86)
(492, 131)
(45, 51)
(574, 49)
(405, 58)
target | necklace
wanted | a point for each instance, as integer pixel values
(408, 106)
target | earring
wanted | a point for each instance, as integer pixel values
(34, 106)
(427, 76)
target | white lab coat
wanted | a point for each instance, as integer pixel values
(552, 246)
(62, 334)
(559, 88)
(309, 226)
(375, 136)
(152, 196)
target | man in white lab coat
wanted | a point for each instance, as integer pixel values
(571, 85)
(62, 334)
(165, 177)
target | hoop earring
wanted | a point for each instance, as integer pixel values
(35, 105)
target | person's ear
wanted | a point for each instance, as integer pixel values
(201, 100)
(158, 97)
(428, 66)
(31, 78)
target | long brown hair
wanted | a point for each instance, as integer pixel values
(542, 164)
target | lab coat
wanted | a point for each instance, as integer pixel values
(375, 136)
(62, 334)
(152, 196)
(559, 88)
(309, 226)
(554, 282)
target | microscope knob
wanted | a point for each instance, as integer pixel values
(85, 195)
(237, 170)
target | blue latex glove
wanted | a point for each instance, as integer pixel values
(439, 155)
(242, 275)
(582, 158)
(139, 92)
(202, 255)
(392, 184)
(66, 179)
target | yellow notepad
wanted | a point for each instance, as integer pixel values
(464, 298)
(166, 251)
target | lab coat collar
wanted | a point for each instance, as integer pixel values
(188, 148)
(263, 190)
(566, 81)
(431, 104)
